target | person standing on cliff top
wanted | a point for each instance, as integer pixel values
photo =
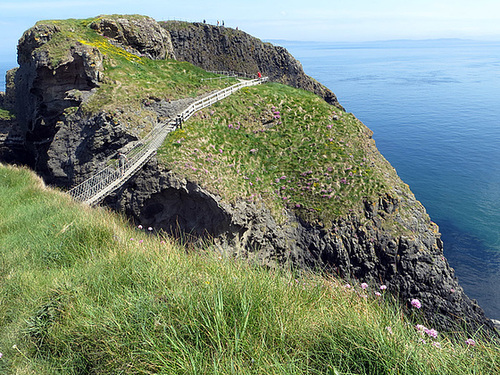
(259, 75)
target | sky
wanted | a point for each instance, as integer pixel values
(321, 20)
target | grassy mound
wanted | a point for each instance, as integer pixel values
(286, 148)
(83, 292)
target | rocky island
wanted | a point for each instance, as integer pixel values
(280, 174)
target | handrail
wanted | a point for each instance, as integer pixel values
(110, 178)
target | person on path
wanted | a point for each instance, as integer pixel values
(259, 75)
(122, 162)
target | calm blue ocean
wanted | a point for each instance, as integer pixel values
(434, 107)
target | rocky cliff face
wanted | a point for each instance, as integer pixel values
(224, 49)
(46, 87)
(52, 134)
(66, 145)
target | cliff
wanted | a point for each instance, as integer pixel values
(274, 174)
(225, 49)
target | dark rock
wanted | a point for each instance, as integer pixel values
(80, 146)
(8, 98)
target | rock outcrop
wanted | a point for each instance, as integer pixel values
(57, 140)
(136, 34)
(46, 85)
(224, 49)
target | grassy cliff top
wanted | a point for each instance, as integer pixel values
(285, 147)
(83, 292)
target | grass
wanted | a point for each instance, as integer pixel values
(84, 292)
(286, 148)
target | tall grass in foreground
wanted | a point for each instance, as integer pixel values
(83, 293)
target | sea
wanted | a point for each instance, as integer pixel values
(434, 108)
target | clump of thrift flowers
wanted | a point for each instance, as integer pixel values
(416, 303)
(470, 342)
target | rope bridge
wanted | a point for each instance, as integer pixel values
(110, 178)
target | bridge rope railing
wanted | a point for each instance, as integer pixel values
(231, 73)
(110, 178)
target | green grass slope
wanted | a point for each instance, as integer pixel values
(82, 292)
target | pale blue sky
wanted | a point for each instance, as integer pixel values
(323, 20)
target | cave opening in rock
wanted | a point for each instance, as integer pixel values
(183, 212)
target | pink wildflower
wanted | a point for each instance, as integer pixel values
(470, 342)
(139, 226)
(420, 328)
(436, 344)
(416, 303)
(364, 285)
(150, 229)
(378, 294)
(431, 332)
(383, 287)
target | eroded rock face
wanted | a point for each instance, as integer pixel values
(45, 87)
(138, 35)
(82, 145)
(361, 248)
(226, 49)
